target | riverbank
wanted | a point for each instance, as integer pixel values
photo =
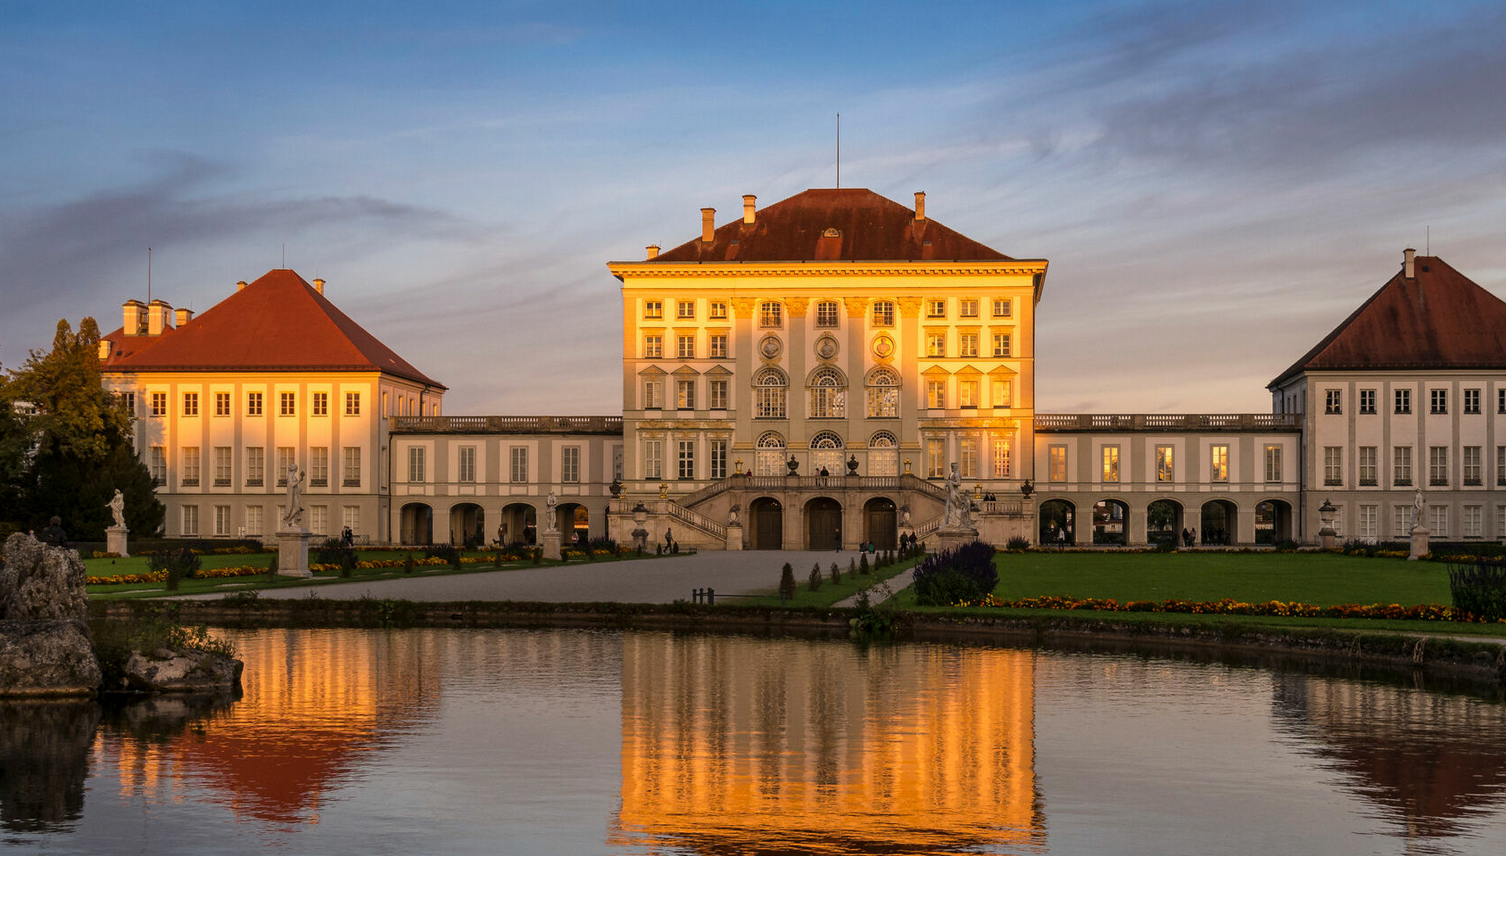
(1418, 648)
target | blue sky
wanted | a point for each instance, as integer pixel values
(1215, 185)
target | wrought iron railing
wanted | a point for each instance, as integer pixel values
(1167, 421)
(507, 424)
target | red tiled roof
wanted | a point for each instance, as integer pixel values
(1437, 320)
(278, 323)
(869, 226)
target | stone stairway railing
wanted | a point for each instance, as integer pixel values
(687, 516)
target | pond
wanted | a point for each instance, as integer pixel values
(466, 741)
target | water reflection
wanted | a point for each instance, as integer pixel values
(44, 759)
(742, 745)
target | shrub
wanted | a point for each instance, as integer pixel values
(955, 577)
(333, 552)
(564, 552)
(787, 582)
(177, 563)
(1286, 546)
(537, 556)
(1479, 588)
(836, 574)
(814, 580)
(449, 553)
(497, 559)
(1017, 543)
(408, 564)
(852, 567)
(1166, 545)
(863, 564)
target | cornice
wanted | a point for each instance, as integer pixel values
(805, 269)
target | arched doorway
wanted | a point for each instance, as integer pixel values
(1110, 523)
(416, 524)
(880, 523)
(1057, 516)
(1273, 522)
(1219, 517)
(823, 524)
(521, 523)
(766, 524)
(1163, 522)
(883, 455)
(574, 522)
(467, 525)
(826, 454)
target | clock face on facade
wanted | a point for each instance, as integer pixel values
(883, 346)
(770, 347)
(826, 347)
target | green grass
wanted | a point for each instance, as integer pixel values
(828, 593)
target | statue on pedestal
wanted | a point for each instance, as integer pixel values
(1417, 509)
(294, 511)
(550, 503)
(117, 508)
(959, 511)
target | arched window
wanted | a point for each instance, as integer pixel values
(883, 454)
(826, 453)
(769, 389)
(828, 394)
(883, 393)
(769, 456)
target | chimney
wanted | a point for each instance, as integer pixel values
(240, 286)
(652, 250)
(920, 206)
(319, 286)
(748, 211)
(133, 316)
(158, 314)
(181, 316)
(708, 224)
(1408, 268)
(105, 346)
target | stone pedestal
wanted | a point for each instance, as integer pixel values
(1328, 539)
(950, 537)
(640, 538)
(734, 537)
(1420, 537)
(115, 540)
(293, 553)
(550, 541)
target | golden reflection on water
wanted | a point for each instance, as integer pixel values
(742, 745)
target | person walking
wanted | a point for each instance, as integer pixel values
(1061, 538)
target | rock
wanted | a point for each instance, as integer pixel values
(183, 670)
(44, 756)
(41, 582)
(39, 659)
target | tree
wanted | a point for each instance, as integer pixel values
(77, 439)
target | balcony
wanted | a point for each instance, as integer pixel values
(506, 424)
(253, 482)
(351, 482)
(318, 482)
(1167, 422)
(222, 482)
(189, 482)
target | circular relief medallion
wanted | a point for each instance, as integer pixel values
(826, 347)
(883, 346)
(769, 347)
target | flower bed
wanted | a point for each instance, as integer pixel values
(241, 571)
(1429, 612)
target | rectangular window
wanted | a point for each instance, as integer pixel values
(256, 466)
(826, 314)
(936, 343)
(518, 465)
(936, 393)
(191, 403)
(350, 475)
(716, 309)
(967, 393)
(467, 465)
(1501, 401)
(191, 521)
(718, 346)
(1438, 401)
(319, 467)
(653, 394)
(350, 517)
(1471, 464)
(1110, 465)
(967, 343)
(416, 464)
(883, 314)
(1403, 405)
(352, 403)
(190, 466)
(287, 405)
(1366, 462)
(221, 403)
(1367, 402)
(1058, 463)
(253, 520)
(718, 388)
(159, 466)
(653, 309)
(653, 459)
(1003, 393)
(685, 346)
(222, 467)
(1165, 468)
(770, 315)
(1333, 402)
(1001, 458)
(936, 309)
(967, 446)
(1439, 524)
(221, 521)
(1401, 520)
(319, 519)
(1401, 466)
(287, 457)
(769, 401)
(159, 403)
(935, 458)
(321, 403)
(1369, 521)
(718, 450)
(1001, 309)
(1438, 466)
(570, 465)
(1272, 463)
(653, 346)
(685, 309)
(1471, 401)
(1001, 343)
(685, 460)
(253, 403)
(685, 394)
(1218, 468)
(1333, 465)
(967, 309)
(1501, 474)
(1474, 522)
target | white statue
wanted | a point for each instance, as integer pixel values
(1417, 509)
(958, 507)
(549, 504)
(294, 510)
(117, 508)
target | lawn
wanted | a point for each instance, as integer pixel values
(828, 593)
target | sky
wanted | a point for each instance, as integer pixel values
(1216, 185)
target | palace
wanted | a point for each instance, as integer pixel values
(807, 375)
